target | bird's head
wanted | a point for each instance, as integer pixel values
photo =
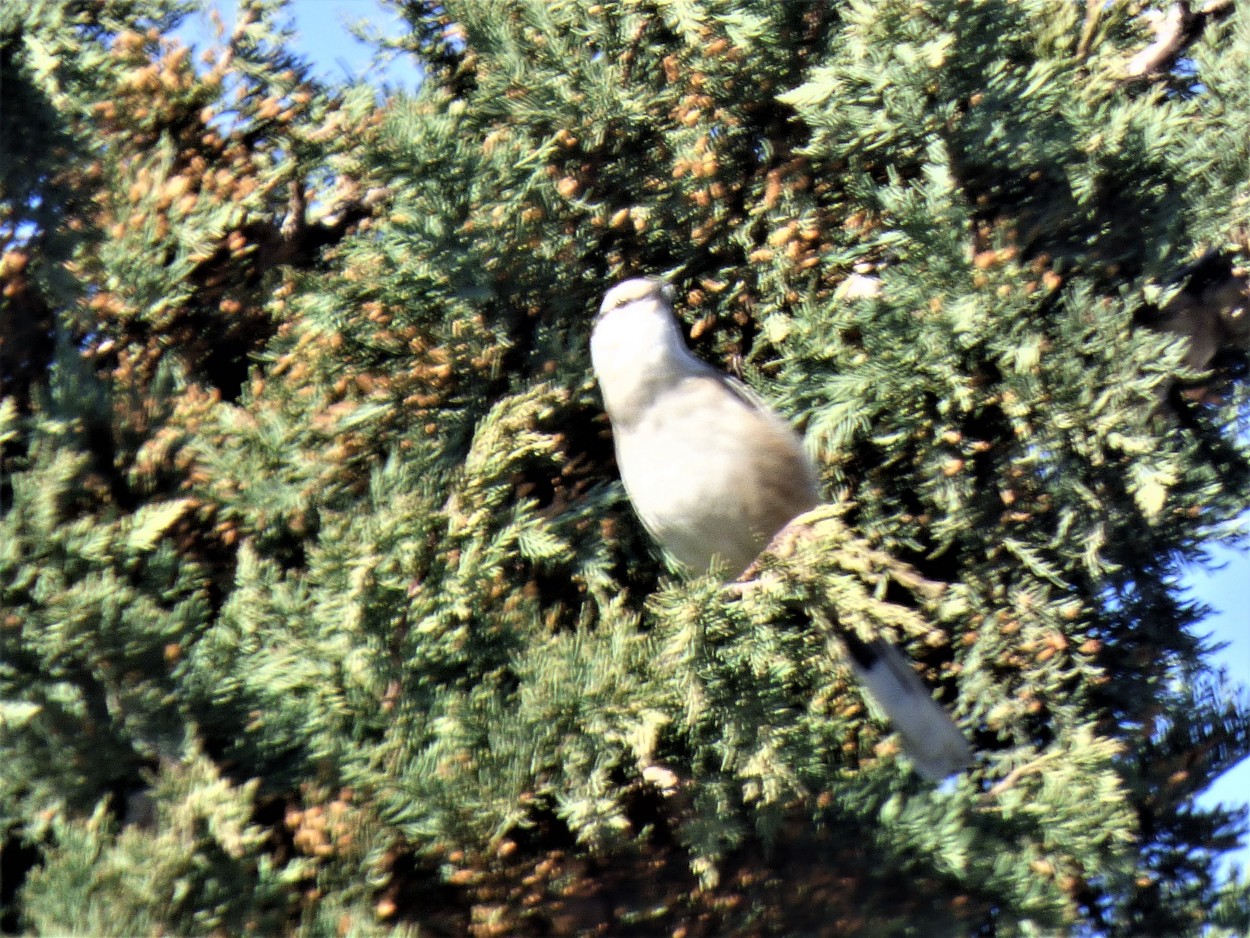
(636, 346)
(637, 290)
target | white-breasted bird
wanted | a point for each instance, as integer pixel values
(714, 473)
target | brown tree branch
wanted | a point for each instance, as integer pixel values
(1175, 29)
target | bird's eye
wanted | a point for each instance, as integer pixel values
(620, 301)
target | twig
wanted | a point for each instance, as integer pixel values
(1009, 780)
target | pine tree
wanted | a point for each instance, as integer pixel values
(321, 610)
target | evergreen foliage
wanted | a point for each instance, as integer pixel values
(321, 611)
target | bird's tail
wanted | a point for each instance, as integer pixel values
(930, 737)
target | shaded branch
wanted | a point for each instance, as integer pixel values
(1211, 310)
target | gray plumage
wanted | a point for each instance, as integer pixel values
(713, 473)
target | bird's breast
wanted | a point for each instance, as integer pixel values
(713, 477)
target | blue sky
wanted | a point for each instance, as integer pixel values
(323, 38)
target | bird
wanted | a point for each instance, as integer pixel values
(713, 473)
